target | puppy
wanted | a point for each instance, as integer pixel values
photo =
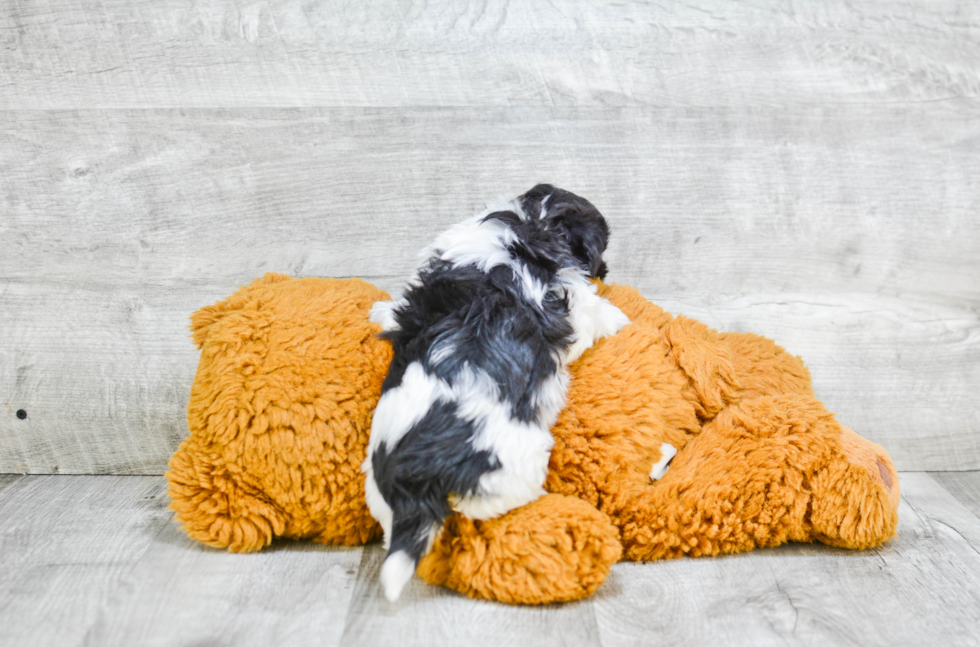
(482, 336)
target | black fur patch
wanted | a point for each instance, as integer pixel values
(431, 461)
(487, 323)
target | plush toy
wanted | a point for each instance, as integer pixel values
(291, 370)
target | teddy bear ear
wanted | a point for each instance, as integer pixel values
(203, 320)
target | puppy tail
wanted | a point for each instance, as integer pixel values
(411, 538)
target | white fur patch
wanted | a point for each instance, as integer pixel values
(484, 245)
(522, 449)
(532, 289)
(379, 508)
(591, 316)
(667, 453)
(383, 313)
(441, 351)
(395, 574)
(474, 241)
(401, 408)
(544, 211)
(398, 410)
(550, 397)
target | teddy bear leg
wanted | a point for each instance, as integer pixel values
(766, 471)
(215, 508)
(555, 549)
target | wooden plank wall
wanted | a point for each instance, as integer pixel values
(808, 171)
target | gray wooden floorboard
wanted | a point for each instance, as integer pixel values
(168, 53)
(96, 560)
(965, 487)
(427, 615)
(6, 480)
(67, 545)
(847, 233)
(294, 593)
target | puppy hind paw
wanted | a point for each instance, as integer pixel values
(667, 453)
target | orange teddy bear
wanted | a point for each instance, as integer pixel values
(291, 370)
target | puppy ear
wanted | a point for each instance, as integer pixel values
(577, 219)
(601, 274)
(588, 236)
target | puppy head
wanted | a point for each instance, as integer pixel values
(576, 219)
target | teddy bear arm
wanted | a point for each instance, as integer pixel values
(554, 549)
(762, 367)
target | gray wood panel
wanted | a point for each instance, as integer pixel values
(103, 372)
(169, 53)
(703, 201)
(95, 560)
(847, 233)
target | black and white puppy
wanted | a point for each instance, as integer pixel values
(482, 336)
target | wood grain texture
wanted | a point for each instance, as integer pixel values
(427, 615)
(67, 545)
(923, 587)
(95, 560)
(171, 53)
(6, 480)
(965, 488)
(701, 201)
(847, 233)
(103, 373)
(295, 593)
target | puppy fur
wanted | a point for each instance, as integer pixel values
(500, 305)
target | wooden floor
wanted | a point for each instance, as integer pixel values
(97, 560)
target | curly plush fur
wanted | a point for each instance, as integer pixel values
(291, 370)
(279, 415)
